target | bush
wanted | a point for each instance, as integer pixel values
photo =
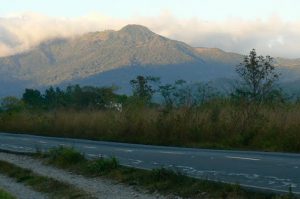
(102, 165)
(64, 156)
(163, 174)
(5, 195)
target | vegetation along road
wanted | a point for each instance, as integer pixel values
(277, 172)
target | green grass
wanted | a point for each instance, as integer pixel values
(65, 157)
(5, 195)
(53, 188)
(161, 180)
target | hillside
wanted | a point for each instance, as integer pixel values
(65, 59)
(115, 57)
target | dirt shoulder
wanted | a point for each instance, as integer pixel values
(99, 188)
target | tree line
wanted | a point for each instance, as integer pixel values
(256, 85)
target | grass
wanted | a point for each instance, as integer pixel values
(219, 124)
(49, 186)
(5, 195)
(65, 157)
(161, 180)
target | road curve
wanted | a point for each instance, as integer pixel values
(275, 172)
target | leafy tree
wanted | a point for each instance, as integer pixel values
(204, 93)
(167, 93)
(142, 88)
(50, 97)
(11, 104)
(33, 98)
(54, 98)
(258, 86)
(187, 95)
(90, 97)
(258, 77)
(184, 94)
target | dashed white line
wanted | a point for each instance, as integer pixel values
(242, 158)
(172, 152)
(125, 150)
(89, 147)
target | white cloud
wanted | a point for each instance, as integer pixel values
(20, 32)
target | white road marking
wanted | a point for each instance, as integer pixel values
(125, 150)
(242, 158)
(265, 188)
(89, 147)
(42, 142)
(96, 155)
(62, 144)
(172, 152)
(133, 161)
(138, 162)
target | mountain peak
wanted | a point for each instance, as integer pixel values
(137, 32)
(130, 28)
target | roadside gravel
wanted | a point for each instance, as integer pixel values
(97, 187)
(19, 190)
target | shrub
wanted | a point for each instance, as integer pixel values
(102, 165)
(64, 156)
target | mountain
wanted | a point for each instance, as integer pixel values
(215, 55)
(65, 59)
(115, 57)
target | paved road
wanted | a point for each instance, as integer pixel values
(268, 171)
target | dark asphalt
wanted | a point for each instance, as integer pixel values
(262, 170)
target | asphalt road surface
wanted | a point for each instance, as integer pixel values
(275, 172)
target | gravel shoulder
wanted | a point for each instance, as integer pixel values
(97, 187)
(19, 190)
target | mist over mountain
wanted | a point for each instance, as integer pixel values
(114, 57)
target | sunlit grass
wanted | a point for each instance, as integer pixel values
(214, 125)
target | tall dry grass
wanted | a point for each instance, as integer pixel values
(215, 125)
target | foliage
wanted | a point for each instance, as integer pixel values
(64, 156)
(73, 96)
(181, 94)
(162, 180)
(142, 88)
(102, 165)
(49, 186)
(5, 195)
(193, 115)
(11, 104)
(258, 77)
(32, 98)
(216, 124)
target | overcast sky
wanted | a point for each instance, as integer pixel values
(270, 26)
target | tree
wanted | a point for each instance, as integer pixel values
(183, 94)
(258, 77)
(167, 93)
(204, 93)
(142, 88)
(54, 98)
(33, 98)
(11, 104)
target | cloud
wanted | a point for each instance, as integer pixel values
(273, 36)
